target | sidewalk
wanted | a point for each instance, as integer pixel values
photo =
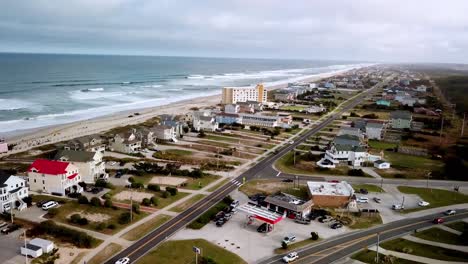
(437, 244)
(413, 257)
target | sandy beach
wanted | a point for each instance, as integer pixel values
(28, 139)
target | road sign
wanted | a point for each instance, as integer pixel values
(196, 250)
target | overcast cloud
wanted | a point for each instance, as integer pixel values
(372, 30)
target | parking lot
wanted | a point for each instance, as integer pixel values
(10, 248)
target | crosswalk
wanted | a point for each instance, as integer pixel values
(236, 182)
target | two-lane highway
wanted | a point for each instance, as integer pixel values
(263, 168)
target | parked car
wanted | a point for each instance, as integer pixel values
(362, 199)
(302, 220)
(289, 239)
(336, 225)
(3, 224)
(40, 203)
(221, 222)
(125, 260)
(326, 219)
(290, 257)
(398, 207)
(363, 191)
(450, 212)
(438, 220)
(218, 216)
(377, 200)
(97, 190)
(9, 229)
(264, 228)
(257, 197)
(234, 204)
(287, 180)
(423, 203)
(48, 205)
(112, 163)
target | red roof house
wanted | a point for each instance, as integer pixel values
(51, 167)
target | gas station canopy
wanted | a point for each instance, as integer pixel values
(261, 214)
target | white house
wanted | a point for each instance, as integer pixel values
(206, 123)
(346, 154)
(232, 108)
(90, 164)
(13, 190)
(259, 120)
(381, 164)
(55, 177)
(126, 143)
(164, 133)
(374, 130)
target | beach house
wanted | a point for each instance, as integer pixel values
(400, 119)
(54, 177)
(13, 189)
(232, 95)
(204, 121)
(125, 143)
(374, 130)
(164, 133)
(89, 164)
(92, 143)
(259, 120)
(228, 118)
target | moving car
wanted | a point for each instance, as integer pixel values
(450, 212)
(289, 239)
(438, 220)
(290, 257)
(362, 199)
(423, 203)
(123, 261)
(48, 205)
(398, 207)
(377, 200)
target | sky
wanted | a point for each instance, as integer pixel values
(361, 30)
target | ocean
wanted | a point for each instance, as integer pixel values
(39, 90)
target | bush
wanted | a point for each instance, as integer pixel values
(75, 218)
(154, 187)
(172, 190)
(154, 200)
(314, 235)
(101, 226)
(83, 221)
(77, 238)
(131, 179)
(136, 208)
(112, 226)
(355, 172)
(52, 212)
(124, 218)
(146, 202)
(207, 260)
(95, 201)
(284, 245)
(165, 194)
(201, 134)
(106, 196)
(108, 203)
(137, 185)
(28, 200)
(83, 200)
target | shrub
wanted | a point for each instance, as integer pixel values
(83, 200)
(95, 201)
(154, 200)
(201, 134)
(106, 196)
(131, 179)
(207, 260)
(284, 245)
(137, 185)
(165, 194)
(314, 235)
(101, 226)
(108, 203)
(77, 238)
(136, 208)
(83, 221)
(28, 200)
(172, 190)
(146, 202)
(101, 183)
(124, 218)
(75, 218)
(111, 226)
(355, 172)
(154, 187)
(52, 212)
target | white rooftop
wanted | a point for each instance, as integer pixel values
(330, 188)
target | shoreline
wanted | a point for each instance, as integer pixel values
(35, 137)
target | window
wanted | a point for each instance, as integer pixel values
(43, 182)
(34, 180)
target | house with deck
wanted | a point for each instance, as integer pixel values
(90, 164)
(126, 142)
(13, 189)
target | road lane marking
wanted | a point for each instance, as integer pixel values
(278, 174)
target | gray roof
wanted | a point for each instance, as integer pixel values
(380, 161)
(286, 201)
(374, 125)
(3, 178)
(347, 140)
(400, 115)
(205, 118)
(32, 247)
(75, 156)
(350, 148)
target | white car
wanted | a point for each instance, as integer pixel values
(398, 207)
(423, 203)
(291, 142)
(450, 212)
(123, 261)
(289, 239)
(48, 205)
(290, 257)
(362, 200)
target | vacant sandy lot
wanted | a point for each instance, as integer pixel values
(92, 217)
(69, 253)
(136, 196)
(172, 181)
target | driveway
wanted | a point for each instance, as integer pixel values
(10, 248)
(33, 214)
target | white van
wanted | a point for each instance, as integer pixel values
(49, 205)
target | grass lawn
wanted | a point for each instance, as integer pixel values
(214, 143)
(375, 144)
(40, 197)
(147, 227)
(436, 197)
(72, 207)
(424, 250)
(365, 222)
(220, 138)
(181, 252)
(183, 206)
(442, 236)
(106, 253)
(173, 154)
(296, 245)
(78, 258)
(368, 256)
(196, 184)
(399, 160)
(459, 226)
(369, 187)
(217, 186)
(163, 202)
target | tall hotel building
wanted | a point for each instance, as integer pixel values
(232, 95)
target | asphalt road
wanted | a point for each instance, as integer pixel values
(262, 169)
(335, 249)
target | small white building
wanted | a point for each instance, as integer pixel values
(31, 251)
(13, 190)
(46, 245)
(381, 164)
(90, 164)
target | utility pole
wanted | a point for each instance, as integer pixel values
(294, 151)
(131, 206)
(441, 130)
(26, 255)
(463, 125)
(377, 251)
(11, 211)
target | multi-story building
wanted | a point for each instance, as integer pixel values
(232, 95)
(12, 191)
(91, 143)
(400, 119)
(126, 143)
(374, 130)
(227, 118)
(90, 164)
(259, 120)
(55, 177)
(164, 133)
